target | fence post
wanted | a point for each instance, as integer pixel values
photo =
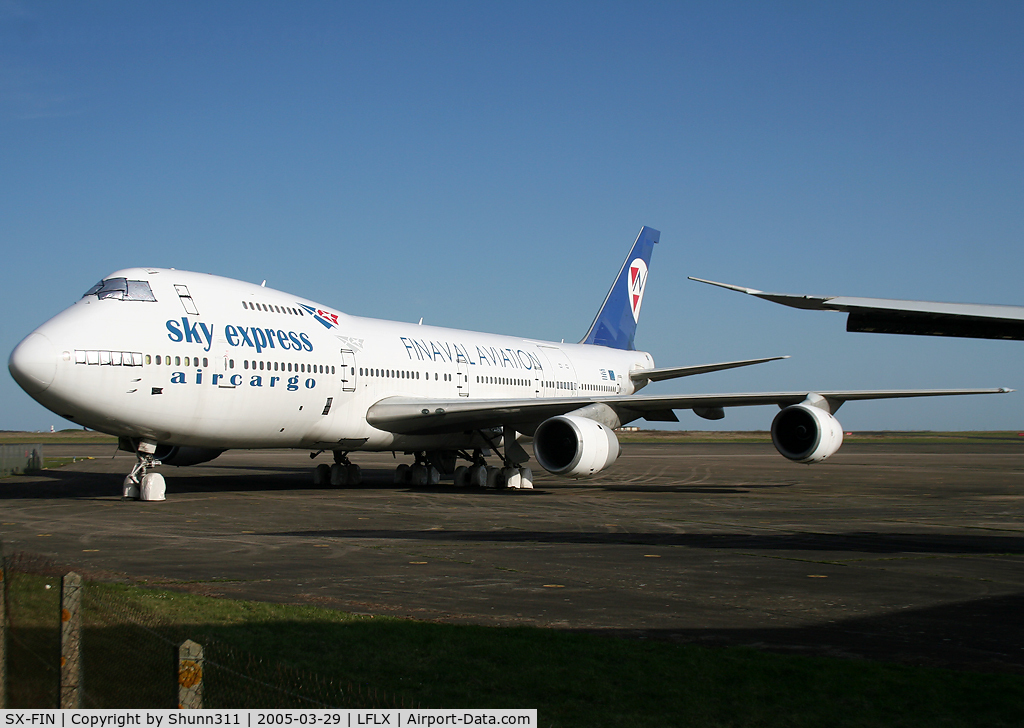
(190, 675)
(3, 634)
(71, 641)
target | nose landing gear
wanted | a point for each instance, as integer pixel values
(139, 484)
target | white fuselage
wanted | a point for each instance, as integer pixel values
(220, 363)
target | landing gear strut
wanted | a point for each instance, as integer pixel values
(140, 485)
(342, 473)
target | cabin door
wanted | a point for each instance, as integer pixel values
(348, 370)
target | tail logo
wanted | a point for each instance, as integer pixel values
(637, 281)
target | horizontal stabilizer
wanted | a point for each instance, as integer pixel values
(657, 375)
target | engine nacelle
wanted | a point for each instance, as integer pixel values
(574, 446)
(180, 455)
(806, 434)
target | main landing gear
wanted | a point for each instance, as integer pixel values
(431, 466)
(139, 484)
(342, 473)
(420, 474)
(481, 475)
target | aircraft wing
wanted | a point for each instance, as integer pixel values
(894, 316)
(414, 416)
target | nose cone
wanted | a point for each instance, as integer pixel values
(33, 363)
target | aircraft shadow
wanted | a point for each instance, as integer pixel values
(857, 542)
(984, 635)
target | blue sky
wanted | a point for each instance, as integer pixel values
(486, 166)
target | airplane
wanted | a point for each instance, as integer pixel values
(182, 366)
(893, 316)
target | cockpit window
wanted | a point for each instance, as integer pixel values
(140, 291)
(122, 289)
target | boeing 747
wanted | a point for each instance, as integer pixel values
(182, 366)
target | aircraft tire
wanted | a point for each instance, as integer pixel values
(130, 489)
(321, 475)
(339, 475)
(525, 479)
(153, 487)
(402, 474)
(418, 476)
(433, 475)
(511, 478)
(477, 476)
(355, 475)
(494, 478)
(461, 476)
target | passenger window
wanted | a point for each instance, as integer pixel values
(177, 361)
(149, 359)
(157, 358)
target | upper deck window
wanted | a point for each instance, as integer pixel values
(122, 289)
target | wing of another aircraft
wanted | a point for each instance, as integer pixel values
(893, 316)
(414, 416)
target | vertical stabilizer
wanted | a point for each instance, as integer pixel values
(615, 324)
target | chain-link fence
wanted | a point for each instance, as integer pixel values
(20, 459)
(130, 656)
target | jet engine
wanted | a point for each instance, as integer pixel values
(574, 446)
(806, 434)
(179, 455)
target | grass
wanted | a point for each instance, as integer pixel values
(62, 437)
(570, 678)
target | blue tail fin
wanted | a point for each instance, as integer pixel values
(615, 324)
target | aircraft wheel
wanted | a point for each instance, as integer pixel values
(494, 478)
(339, 475)
(322, 475)
(402, 474)
(355, 475)
(511, 477)
(130, 490)
(477, 476)
(461, 476)
(153, 487)
(525, 478)
(418, 475)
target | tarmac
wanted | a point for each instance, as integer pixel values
(903, 553)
